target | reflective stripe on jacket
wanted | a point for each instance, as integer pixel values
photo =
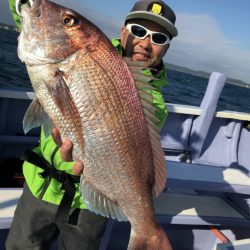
(16, 17)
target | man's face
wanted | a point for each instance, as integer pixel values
(143, 50)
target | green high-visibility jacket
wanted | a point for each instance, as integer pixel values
(16, 17)
(49, 189)
(161, 76)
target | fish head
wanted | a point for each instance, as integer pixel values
(52, 33)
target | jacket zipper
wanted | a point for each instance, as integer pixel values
(46, 185)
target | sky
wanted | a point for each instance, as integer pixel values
(214, 35)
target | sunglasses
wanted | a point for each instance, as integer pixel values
(141, 32)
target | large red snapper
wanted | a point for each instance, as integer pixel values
(85, 88)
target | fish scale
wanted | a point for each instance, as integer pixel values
(87, 90)
(114, 144)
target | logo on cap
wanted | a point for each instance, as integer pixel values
(156, 9)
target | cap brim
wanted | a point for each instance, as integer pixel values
(155, 18)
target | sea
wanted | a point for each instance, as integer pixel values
(182, 88)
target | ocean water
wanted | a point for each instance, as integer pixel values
(182, 88)
(12, 71)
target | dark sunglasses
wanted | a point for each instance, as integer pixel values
(141, 32)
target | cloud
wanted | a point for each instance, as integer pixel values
(201, 45)
(108, 25)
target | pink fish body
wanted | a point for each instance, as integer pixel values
(86, 89)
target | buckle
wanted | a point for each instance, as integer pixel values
(43, 174)
(61, 176)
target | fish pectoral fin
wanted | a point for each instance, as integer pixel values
(65, 103)
(98, 203)
(61, 94)
(145, 89)
(35, 116)
(47, 128)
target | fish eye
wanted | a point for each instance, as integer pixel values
(69, 21)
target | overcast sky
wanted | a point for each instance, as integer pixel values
(214, 35)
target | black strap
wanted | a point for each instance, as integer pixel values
(67, 181)
(62, 214)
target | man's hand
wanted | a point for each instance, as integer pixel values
(66, 150)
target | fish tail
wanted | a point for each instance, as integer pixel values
(158, 240)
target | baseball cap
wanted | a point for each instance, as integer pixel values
(156, 11)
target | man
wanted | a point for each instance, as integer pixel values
(51, 206)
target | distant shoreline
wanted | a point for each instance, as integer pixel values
(204, 74)
(7, 27)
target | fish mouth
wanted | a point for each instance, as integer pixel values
(20, 3)
(28, 6)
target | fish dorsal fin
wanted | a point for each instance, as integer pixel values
(98, 203)
(144, 88)
(35, 116)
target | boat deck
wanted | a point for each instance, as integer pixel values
(208, 166)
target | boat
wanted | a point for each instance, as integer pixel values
(206, 202)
